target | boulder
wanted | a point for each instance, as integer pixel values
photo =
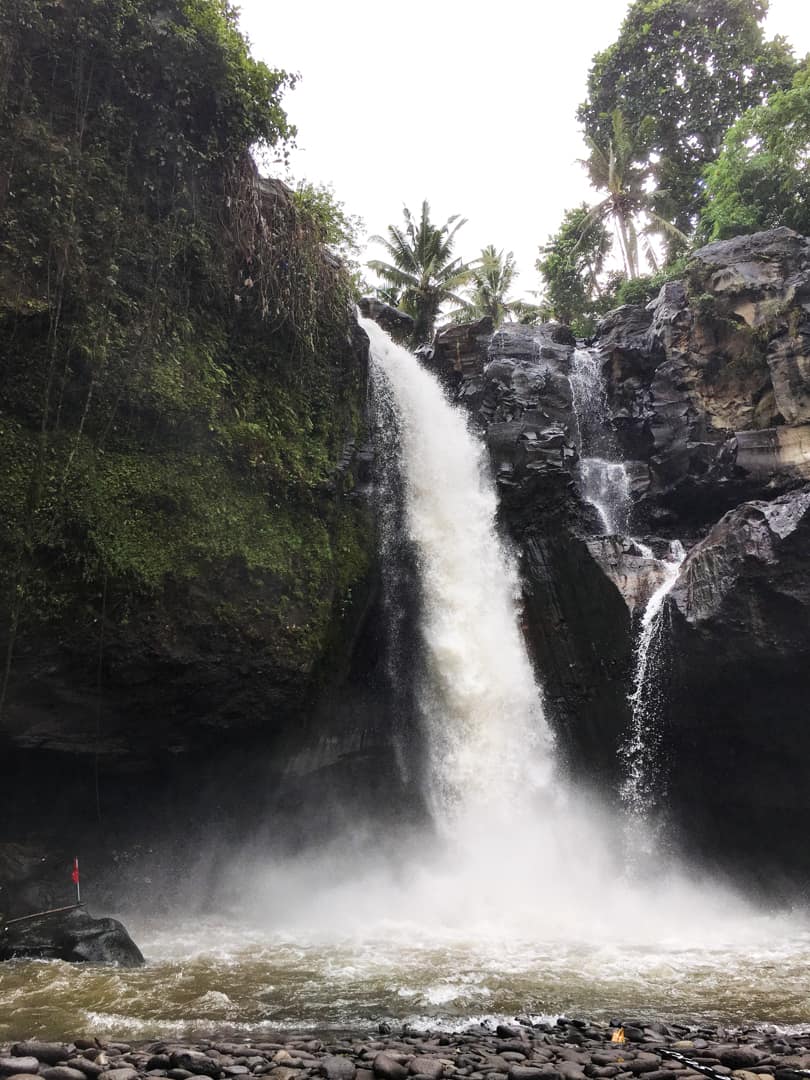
(72, 935)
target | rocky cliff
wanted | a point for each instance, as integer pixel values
(705, 410)
(186, 551)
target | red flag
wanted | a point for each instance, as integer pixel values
(74, 877)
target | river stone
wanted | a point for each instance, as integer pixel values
(90, 1068)
(49, 1053)
(284, 1057)
(335, 1067)
(64, 1072)
(284, 1072)
(179, 1074)
(236, 1070)
(532, 1072)
(113, 1074)
(384, 1065)
(570, 1070)
(195, 1061)
(567, 1053)
(24, 1076)
(427, 1066)
(643, 1063)
(12, 1066)
(739, 1057)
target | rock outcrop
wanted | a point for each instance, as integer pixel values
(706, 404)
(740, 654)
(74, 935)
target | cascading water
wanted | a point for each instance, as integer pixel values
(489, 744)
(605, 484)
(604, 480)
(640, 789)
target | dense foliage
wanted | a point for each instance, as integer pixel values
(177, 382)
(762, 177)
(422, 268)
(681, 72)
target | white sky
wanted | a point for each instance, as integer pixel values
(469, 105)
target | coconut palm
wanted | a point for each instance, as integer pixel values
(615, 169)
(422, 267)
(491, 279)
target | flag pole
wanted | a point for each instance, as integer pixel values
(75, 877)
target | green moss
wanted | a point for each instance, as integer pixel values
(178, 372)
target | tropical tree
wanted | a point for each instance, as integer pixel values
(571, 263)
(492, 276)
(682, 72)
(422, 267)
(762, 177)
(628, 204)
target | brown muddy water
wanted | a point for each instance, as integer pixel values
(221, 978)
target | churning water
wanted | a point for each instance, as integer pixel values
(516, 901)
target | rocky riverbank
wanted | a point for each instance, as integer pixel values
(565, 1050)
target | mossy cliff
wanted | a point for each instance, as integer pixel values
(181, 377)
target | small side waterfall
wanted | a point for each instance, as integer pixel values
(605, 484)
(603, 476)
(489, 745)
(641, 753)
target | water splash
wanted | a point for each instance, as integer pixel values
(520, 888)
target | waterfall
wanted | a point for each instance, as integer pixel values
(603, 479)
(516, 854)
(489, 747)
(642, 750)
(605, 484)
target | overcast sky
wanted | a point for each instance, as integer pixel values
(469, 105)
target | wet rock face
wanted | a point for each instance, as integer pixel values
(702, 382)
(70, 935)
(740, 650)
(707, 404)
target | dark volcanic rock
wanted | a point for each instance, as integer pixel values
(705, 366)
(395, 322)
(45, 1052)
(73, 935)
(740, 650)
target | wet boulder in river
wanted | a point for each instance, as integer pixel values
(72, 935)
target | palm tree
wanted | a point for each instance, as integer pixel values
(422, 266)
(491, 279)
(615, 169)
